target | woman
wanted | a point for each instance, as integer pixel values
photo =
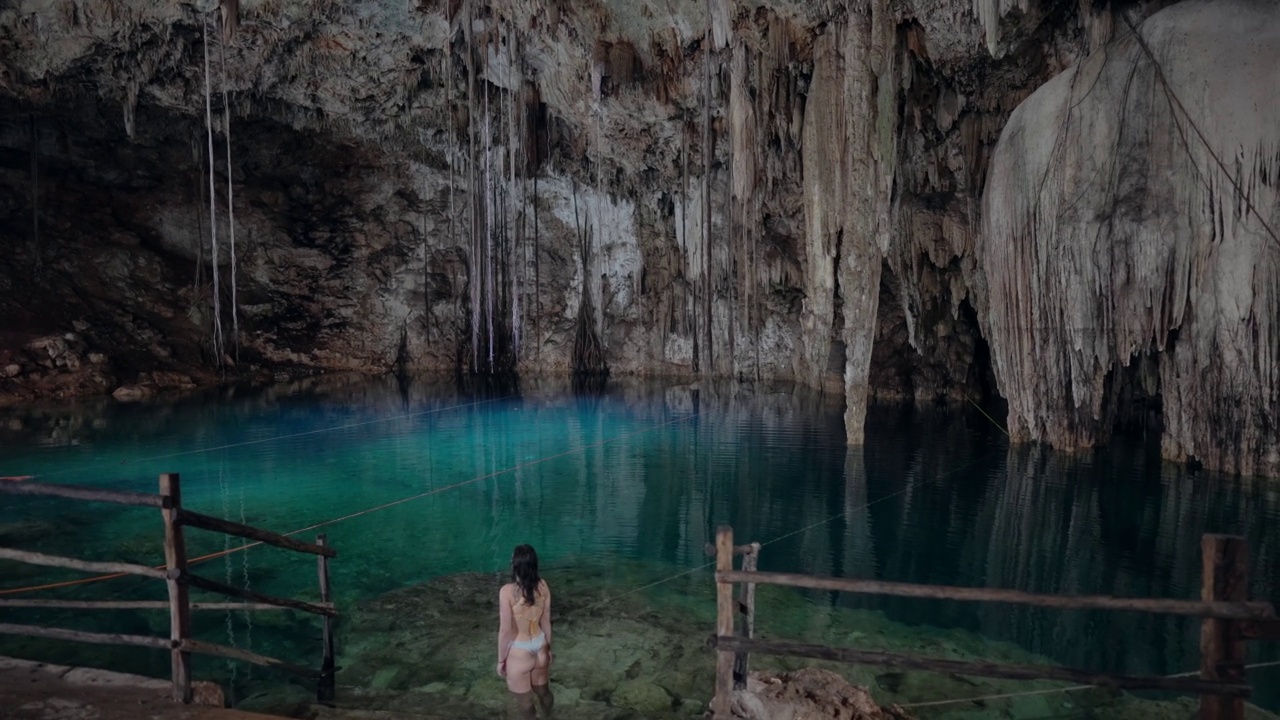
(524, 632)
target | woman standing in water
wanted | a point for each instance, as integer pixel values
(524, 633)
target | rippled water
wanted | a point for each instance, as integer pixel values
(640, 472)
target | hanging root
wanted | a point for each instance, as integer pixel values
(213, 225)
(231, 213)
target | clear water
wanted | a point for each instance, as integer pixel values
(641, 473)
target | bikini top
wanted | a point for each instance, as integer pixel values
(530, 614)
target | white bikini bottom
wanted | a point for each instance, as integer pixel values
(532, 646)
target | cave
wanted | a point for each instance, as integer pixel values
(457, 206)
(949, 362)
(1132, 404)
(959, 294)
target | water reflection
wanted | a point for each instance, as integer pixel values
(1110, 521)
(647, 471)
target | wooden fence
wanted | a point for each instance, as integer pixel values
(179, 580)
(1229, 621)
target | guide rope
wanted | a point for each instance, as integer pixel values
(1050, 691)
(890, 496)
(290, 436)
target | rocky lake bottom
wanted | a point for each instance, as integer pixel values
(429, 650)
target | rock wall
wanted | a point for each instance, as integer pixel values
(1130, 214)
(761, 190)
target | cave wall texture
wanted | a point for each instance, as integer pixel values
(898, 199)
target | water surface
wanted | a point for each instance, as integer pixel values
(638, 476)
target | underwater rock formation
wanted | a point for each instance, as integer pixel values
(764, 190)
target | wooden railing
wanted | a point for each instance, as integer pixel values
(1229, 621)
(179, 580)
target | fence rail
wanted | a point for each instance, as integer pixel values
(1229, 620)
(179, 580)
(34, 558)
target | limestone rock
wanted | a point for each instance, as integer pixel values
(132, 393)
(808, 694)
(780, 190)
(642, 696)
(1147, 272)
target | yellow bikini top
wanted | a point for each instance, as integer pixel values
(531, 614)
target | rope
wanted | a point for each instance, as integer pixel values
(213, 212)
(1072, 688)
(1000, 427)
(367, 511)
(910, 486)
(231, 212)
(1240, 193)
(290, 436)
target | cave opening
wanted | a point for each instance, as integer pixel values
(937, 354)
(981, 375)
(1132, 404)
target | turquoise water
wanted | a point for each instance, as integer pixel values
(640, 474)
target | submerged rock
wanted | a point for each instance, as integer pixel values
(809, 694)
(132, 393)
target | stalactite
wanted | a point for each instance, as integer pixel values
(708, 329)
(453, 156)
(588, 354)
(230, 19)
(1183, 273)
(427, 315)
(489, 192)
(213, 212)
(231, 211)
(130, 107)
(537, 262)
(513, 251)
(197, 157)
(35, 191)
(474, 276)
(690, 288)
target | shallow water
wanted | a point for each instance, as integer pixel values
(631, 483)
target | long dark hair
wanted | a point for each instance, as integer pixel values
(524, 570)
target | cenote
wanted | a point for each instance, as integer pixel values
(619, 490)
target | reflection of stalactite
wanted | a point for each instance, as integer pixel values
(859, 548)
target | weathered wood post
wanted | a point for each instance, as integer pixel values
(1222, 645)
(326, 689)
(746, 606)
(724, 625)
(175, 560)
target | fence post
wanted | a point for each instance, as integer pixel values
(723, 700)
(175, 560)
(747, 606)
(326, 688)
(1222, 647)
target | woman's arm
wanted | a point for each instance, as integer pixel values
(545, 621)
(506, 630)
